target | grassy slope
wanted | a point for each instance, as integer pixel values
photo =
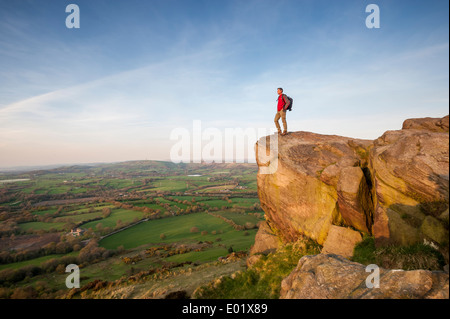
(177, 229)
(124, 215)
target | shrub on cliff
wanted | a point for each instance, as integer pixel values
(263, 280)
(416, 256)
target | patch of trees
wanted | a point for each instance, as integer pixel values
(9, 228)
(171, 250)
(89, 254)
(62, 247)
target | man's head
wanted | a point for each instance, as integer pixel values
(280, 91)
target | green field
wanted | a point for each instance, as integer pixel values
(240, 219)
(143, 203)
(81, 209)
(78, 217)
(177, 229)
(43, 212)
(186, 197)
(170, 185)
(214, 253)
(244, 202)
(35, 261)
(163, 200)
(41, 226)
(216, 203)
(125, 215)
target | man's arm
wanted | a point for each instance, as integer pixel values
(287, 102)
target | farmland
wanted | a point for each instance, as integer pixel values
(121, 219)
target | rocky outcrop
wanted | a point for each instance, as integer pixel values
(411, 179)
(395, 188)
(428, 124)
(265, 240)
(301, 197)
(329, 276)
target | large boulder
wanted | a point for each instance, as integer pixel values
(296, 198)
(329, 276)
(428, 124)
(410, 169)
(395, 188)
(341, 241)
(265, 240)
(354, 198)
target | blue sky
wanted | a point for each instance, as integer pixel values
(114, 89)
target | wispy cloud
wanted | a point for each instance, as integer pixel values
(96, 101)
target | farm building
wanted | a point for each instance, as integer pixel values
(75, 232)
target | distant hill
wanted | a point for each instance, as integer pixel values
(144, 165)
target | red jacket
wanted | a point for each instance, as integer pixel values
(282, 101)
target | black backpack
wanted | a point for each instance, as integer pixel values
(290, 104)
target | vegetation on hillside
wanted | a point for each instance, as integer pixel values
(104, 217)
(263, 279)
(417, 256)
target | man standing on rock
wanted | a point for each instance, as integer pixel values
(283, 104)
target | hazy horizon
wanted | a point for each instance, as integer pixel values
(12, 169)
(114, 89)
